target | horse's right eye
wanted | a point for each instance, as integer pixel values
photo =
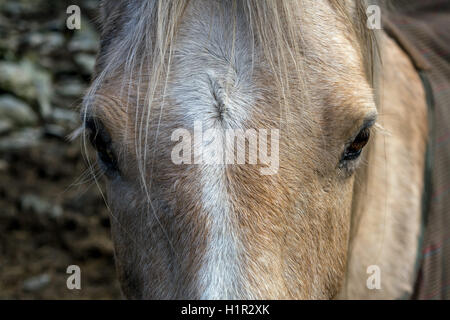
(101, 141)
(353, 151)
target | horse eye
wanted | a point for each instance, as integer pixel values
(102, 142)
(353, 151)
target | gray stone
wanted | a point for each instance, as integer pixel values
(71, 88)
(40, 206)
(64, 116)
(58, 65)
(55, 130)
(86, 62)
(17, 111)
(9, 44)
(25, 138)
(5, 126)
(85, 39)
(36, 283)
(46, 42)
(27, 81)
(3, 165)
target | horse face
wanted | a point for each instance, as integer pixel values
(191, 221)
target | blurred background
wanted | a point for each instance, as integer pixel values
(52, 214)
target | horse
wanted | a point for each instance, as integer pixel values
(350, 115)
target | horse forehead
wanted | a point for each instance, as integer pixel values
(214, 29)
(212, 64)
(215, 60)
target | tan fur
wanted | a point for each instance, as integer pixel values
(311, 76)
(387, 201)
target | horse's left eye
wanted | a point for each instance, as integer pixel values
(101, 141)
(353, 151)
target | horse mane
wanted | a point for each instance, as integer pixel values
(138, 37)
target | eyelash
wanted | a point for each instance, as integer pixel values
(102, 143)
(354, 150)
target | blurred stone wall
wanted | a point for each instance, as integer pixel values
(52, 214)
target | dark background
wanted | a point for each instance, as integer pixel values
(52, 214)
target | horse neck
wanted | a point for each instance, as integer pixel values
(386, 220)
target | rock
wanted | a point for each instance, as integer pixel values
(46, 42)
(23, 7)
(3, 165)
(25, 138)
(86, 62)
(85, 39)
(91, 5)
(65, 117)
(42, 207)
(27, 81)
(56, 131)
(18, 79)
(58, 65)
(71, 88)
(12, 8)
(9, 44)
(57, 24)
(36, 283)
(5, 126)
(17, 111)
